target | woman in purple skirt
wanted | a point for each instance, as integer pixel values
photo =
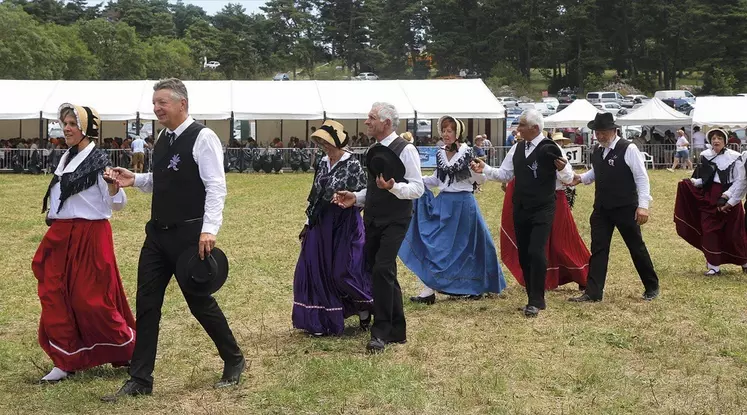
(330, 282)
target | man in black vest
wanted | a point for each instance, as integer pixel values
(536, 163)
(387, 211)
(189, 189)
(621, 200)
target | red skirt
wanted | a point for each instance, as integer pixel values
(720, 236)
(567, 255)
(85, 319)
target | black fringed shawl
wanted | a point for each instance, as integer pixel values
(457, 171)
(86, 175)
(345, 175)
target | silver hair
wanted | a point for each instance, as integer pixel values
(387, 111)
(66, 112)
(534, 117)
(176, 86)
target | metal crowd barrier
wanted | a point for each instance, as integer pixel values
(251, 160)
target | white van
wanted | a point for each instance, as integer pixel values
(676, 94)
(605, 96)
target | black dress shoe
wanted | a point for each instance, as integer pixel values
(584, 298)
(231, 374)
(531, 311)
(377, 345)
(431, 299)
(650, 295)
(130, 388)
(473, 297)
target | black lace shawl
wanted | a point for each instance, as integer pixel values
(86, 175)
(708, 169)
(345, 175)
(457, 171)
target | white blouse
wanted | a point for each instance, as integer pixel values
(460, 186)
(93, 203)
(723, 161)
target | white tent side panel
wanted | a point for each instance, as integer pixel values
(727, 112)
(461, 98)
(114, 100)
(276, 100)
(655, 112)
(24, 99)
(351, 100)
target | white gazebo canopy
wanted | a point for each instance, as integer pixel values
(655, 112)
(208, 100)
(728, 112)
(461, 98)
(576, 115)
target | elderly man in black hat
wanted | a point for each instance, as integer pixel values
(621, 200)
(536, 162)
(394, 181)
(189, 189)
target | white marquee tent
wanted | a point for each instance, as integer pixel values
(576, 115)
(655, 112)
(727, 112)
(254, 100)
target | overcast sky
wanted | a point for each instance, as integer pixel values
(212, 6)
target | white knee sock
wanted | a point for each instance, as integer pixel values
(427, 292)
(55, 375)
(713, 267)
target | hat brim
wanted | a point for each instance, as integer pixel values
(381, 160)
(322, 136)
(188, 265)
(716, 130)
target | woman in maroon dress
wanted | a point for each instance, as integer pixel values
(85, 319)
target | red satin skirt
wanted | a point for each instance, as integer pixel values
(85, 319)
(567, 254)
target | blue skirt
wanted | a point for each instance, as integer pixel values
(449, 247)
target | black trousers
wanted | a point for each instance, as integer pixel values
(382, 245)
(533, 228)
(603, 224)
(156, 266)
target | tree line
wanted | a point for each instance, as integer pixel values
(651, 44)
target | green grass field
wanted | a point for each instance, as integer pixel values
(685, 353)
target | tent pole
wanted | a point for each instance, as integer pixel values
(20, 129)
(231, 126)
(281, 130)
(256, 132)
(137, 123)
(42, 136)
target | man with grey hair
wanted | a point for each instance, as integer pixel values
(536, 163)
(189, 190)
(387, 211)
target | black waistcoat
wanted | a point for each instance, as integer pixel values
(615, 186)
(535, 177)
(381, 204)
(178, 191)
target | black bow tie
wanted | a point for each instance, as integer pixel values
(171, 137)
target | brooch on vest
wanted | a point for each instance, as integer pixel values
(174, 162)
(611, 161)
(533, 168)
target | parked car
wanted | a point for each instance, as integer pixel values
(545, 108)
(211, 64)
(424, 127)
(281, 77)
(561, 107)
(605, 96)
(508, 101)
(676, 94)
(367, 76)
(682, 105)
(611, 107)
(630, 100)
(552, 101)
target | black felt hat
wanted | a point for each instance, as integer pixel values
(381, 160)
(603, 121)
(201, 277)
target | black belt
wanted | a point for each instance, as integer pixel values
(166, 226)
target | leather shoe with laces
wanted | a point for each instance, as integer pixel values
(130, 388)
(377, 345)
(231, 374)
(431, 299)
(651, 295)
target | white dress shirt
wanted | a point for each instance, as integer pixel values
(414, 188)
(634, 160)
(738, 185)
(208, 154)
(460, 186)
(93, 203)
(699, 140)
(506, 172)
